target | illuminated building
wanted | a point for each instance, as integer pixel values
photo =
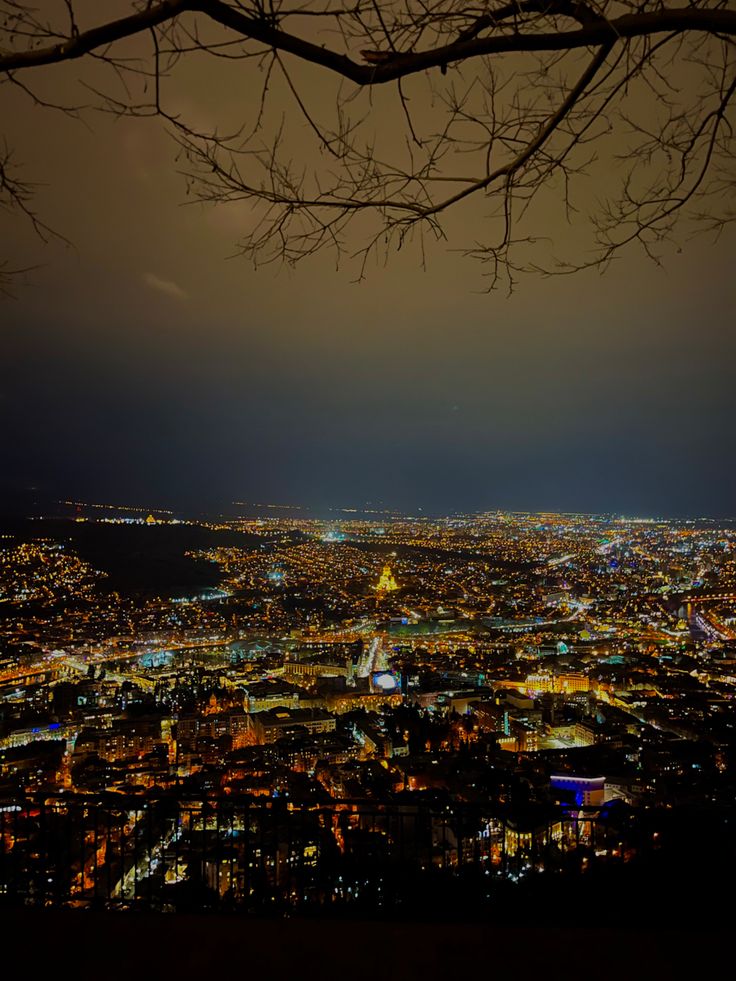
(561, 684)
(320, 666)
(270, 725)
(387, 583)
(572, 683)
(264, 695)
(526, 836)
(520, 738)
(126, 739)
(385, 681)
(587, 791)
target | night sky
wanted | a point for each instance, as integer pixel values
(142, 365)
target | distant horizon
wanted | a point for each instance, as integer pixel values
(370, 511)
(142, 364)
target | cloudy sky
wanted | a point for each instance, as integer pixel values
(143, 364)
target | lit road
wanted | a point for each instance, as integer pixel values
(147, 862)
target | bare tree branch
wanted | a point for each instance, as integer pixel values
(500, 101)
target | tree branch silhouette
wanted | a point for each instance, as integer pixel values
(504, 100)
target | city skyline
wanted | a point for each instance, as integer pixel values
(33, 507)
(376, 716)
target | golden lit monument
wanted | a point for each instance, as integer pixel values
(387, 583)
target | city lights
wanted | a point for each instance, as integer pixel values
(489, 654)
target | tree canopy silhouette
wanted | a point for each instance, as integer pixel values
(365, 123)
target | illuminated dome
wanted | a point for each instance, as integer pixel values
(387, 583)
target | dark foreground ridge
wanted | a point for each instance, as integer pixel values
(192, 946)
